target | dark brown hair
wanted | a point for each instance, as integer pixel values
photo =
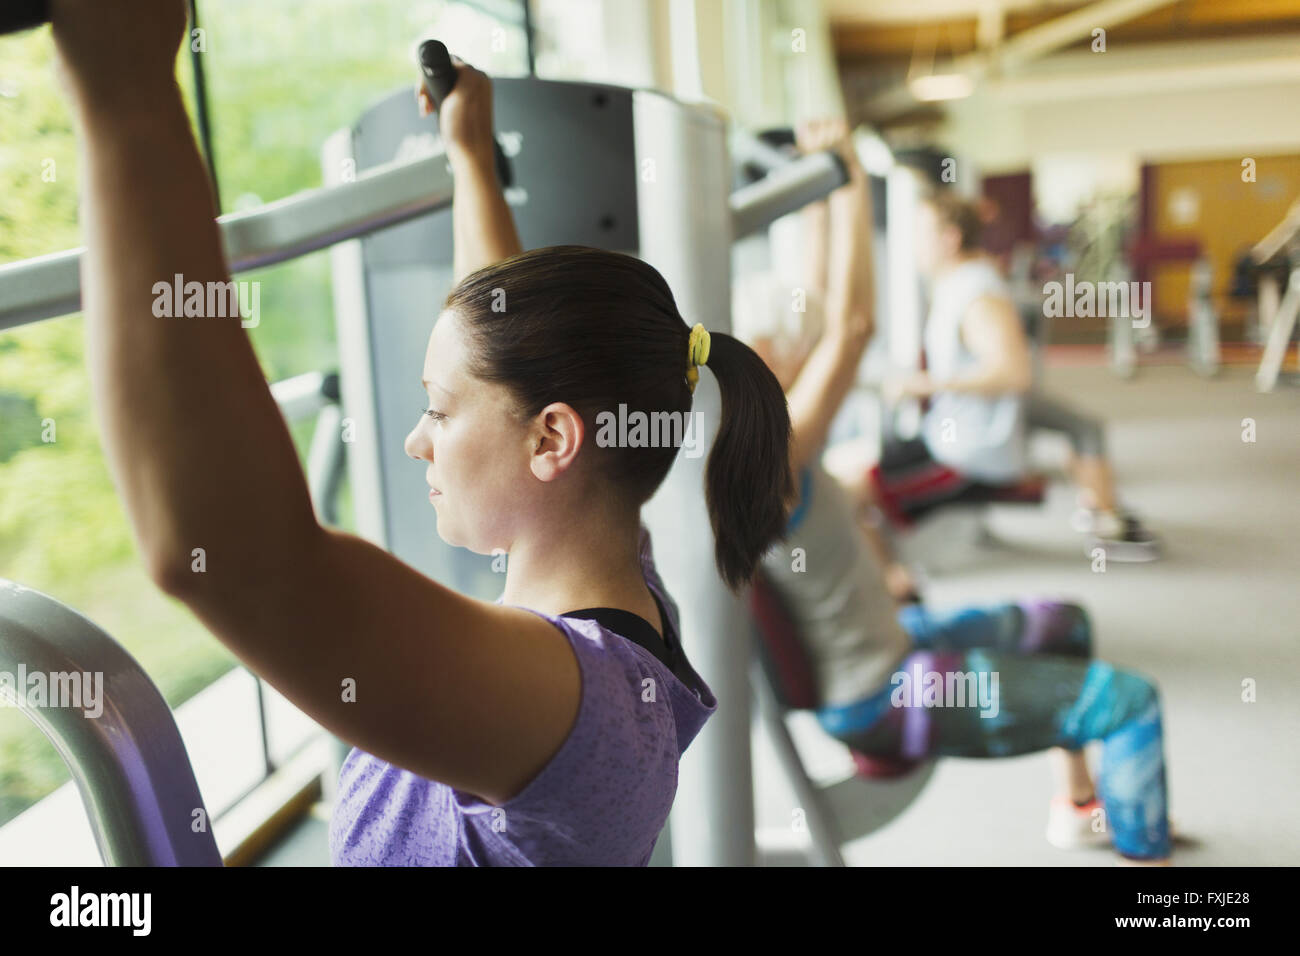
(594, 329)
(958, 212)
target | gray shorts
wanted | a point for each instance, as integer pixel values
(1087, 435)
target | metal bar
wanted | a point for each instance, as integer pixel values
(817, 814)
(303, 396)
(1202, 320)
(793, 186)
(128, 760)
(1279, 337)
(49, 286)
(202, 108)
(268, 765)
(1284, 232)
(325, 463)
(748, 149)
(530, 42)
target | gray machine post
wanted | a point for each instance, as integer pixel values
(686, 232)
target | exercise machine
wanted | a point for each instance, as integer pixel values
(843, 809)
(631, 170)
(1277, 314)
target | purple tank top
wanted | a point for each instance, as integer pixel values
(600, 801)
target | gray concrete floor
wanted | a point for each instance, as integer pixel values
(1223, 606)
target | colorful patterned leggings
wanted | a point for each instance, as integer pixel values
(1014, 679)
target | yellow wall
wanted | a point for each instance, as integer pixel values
(1226, 213)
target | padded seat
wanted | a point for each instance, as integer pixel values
(791, 674)
(1029, 490)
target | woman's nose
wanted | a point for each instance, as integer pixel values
(413, 444)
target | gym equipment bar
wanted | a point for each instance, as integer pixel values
(784, 190)
(44, 287)
(129, 761)
(49, 286)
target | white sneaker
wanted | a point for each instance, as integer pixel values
(1122, 537)
(1071, 827)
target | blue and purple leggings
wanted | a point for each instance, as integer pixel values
(1035, 658)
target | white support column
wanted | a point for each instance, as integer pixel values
(902, 195)
(685, 233)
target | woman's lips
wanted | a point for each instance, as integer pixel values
(434, 492)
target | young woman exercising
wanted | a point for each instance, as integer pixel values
(1036, 656)
(545, 728)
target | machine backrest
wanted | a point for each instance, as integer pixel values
(780, 649)
(790, 671)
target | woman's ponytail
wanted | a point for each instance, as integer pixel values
(749, 486)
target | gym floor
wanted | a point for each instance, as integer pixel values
(1221, 607)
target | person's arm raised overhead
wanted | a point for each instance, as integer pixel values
(815, 220)
(475, 695)
(831, 367)
(483, 229)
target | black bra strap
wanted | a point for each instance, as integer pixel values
(636, 629)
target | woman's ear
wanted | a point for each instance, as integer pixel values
(556, 438)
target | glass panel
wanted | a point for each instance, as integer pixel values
(62, 530)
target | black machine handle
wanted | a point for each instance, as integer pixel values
(439, 75)
(18, 15)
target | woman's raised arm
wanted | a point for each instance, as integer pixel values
(483, 230)
(203, 462)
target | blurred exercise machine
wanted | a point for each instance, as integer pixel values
(1203, 354)
(1277, 313)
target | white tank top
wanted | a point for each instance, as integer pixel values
(981, 436)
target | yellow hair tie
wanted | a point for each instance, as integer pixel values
(697, 353)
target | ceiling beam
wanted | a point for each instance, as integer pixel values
(856, 37)
(879, 12)
(1020, 49)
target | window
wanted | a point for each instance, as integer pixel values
(281, 77)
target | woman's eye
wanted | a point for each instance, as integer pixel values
(436, 416)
